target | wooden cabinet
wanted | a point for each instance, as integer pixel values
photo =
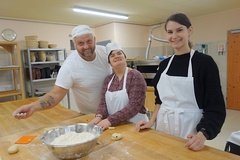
(150, 99)
(15, 69)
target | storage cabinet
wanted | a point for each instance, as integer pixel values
(15, 68)
(40, 68)
(150, 99)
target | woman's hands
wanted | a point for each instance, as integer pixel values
(143, 125)
(104, 124)
(196, 142)
(96, 120)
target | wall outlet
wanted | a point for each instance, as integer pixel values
(8, 87)
(2, 88)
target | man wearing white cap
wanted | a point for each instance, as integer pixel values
(124, 92)
(83, 71)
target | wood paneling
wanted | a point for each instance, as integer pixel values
(233, 71)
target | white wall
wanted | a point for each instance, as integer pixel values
(211, 29)
(54, 33)
(105, 32)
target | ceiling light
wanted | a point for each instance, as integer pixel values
(100, 12)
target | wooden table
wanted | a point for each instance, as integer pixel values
(10, 125)
(145, 145)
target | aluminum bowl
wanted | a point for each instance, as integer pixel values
(73, 151)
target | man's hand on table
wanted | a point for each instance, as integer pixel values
(24, 111)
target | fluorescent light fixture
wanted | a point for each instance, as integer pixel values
(99, 12)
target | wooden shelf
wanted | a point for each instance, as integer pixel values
(8, 46)
(15, 67)
(3, 68)
(10, 93)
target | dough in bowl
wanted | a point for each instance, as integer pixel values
(70, 138)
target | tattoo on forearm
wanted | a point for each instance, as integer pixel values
(48, 102)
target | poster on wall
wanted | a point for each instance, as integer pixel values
(221, 48)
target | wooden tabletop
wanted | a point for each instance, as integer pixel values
(145, 145)
(10, 125)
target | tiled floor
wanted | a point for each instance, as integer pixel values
(231, 124)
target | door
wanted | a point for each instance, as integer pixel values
(233, 71)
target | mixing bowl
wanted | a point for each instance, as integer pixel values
(73, 151)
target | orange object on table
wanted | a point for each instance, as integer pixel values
(25, 139)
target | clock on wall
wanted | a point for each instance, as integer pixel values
(9, 35)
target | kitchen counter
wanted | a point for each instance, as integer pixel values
(148, 144)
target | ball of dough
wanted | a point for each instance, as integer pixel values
(116, 136)
(13, 149)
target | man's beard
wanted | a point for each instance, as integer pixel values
(88, 55)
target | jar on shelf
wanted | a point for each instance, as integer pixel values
(42, 56)
(49, 57)
(32, 56)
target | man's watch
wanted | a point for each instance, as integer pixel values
(203, 130)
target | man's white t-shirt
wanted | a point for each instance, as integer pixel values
(85, 78)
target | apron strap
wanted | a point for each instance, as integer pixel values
(190, 63)
(124, 81)
(125, 78)
(176, 112)
(110, 82)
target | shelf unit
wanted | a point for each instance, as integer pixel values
(59, 56)
(28, 64)
(12, 48)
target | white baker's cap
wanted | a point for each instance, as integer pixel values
(112, 46)
(81, 30)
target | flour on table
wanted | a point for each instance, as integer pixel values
(72, 138)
